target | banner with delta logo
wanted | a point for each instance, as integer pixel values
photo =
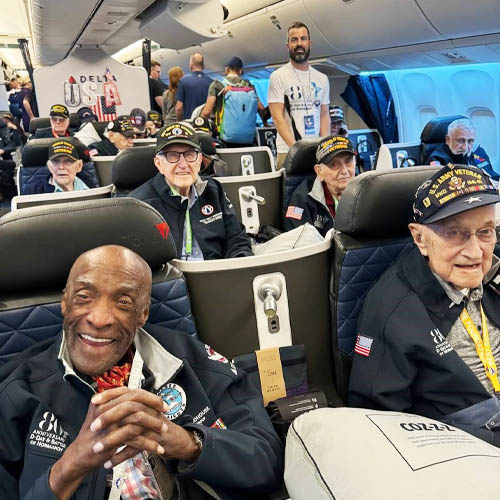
(90, 78)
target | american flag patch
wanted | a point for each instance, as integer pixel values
(363, 345)
(294, 212)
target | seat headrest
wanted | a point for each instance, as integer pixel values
(74, 120)
(436, 129)
(40, 244)
(379, 203)
(133, 167)
(36, 151)
(41, 122)
(301, 157)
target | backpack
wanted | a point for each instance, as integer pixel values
(237, 118)
(15, 105)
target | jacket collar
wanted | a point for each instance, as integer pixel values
(158, 360)
(317, 192)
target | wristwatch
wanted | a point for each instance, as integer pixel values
(198, 438)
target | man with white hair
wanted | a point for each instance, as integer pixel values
(459, 149)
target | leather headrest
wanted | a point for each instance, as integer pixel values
(379, 203)
(74, 121)
(40, 244)
(301, 157)
(36, 151)
(41, 122)
(436, 129)
(133, 167)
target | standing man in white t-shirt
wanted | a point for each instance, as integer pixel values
(299, 95)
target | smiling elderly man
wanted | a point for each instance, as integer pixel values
(315, 200)
(165, 400)
(200, 216)
(429, 332)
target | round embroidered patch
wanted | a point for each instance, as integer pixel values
(207, 209)
(175, 397)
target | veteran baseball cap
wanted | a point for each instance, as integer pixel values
(177, 133)
(63, 148)
(204, 125)
(138, 119)
(122, 125)
(86, 115)
(59, 110)
(155, 117)
(331, 146)
(336, 113)
(452, 190)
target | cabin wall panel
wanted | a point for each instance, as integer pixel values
(473, 90)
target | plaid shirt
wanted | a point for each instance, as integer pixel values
(139, 483)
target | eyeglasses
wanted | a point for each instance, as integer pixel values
(57, 119)
(175, 156)
(458, 237)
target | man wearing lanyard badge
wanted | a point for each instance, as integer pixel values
(299, 95)
(201, 217)
(429, 332)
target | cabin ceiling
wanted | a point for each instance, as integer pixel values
(348, 36)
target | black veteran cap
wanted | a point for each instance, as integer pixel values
(331, 146)
(122, 125)
(204, 125)
(452, 190)
(155, 117)
(59, 110)
(176, 133)
(336, 113)
(63, 148)
(138, 118)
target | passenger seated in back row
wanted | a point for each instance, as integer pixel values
(119, 135)
(429, 331)
(59, 123)
(111, 390)
(315, 200)
(200, 216)
(63, 164)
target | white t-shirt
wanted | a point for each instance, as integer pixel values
(306, 91)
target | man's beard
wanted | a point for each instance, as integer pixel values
(301, 57)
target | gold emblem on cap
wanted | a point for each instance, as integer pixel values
(456, 183)
(426, 202)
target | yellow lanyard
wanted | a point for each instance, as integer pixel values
(483, 347)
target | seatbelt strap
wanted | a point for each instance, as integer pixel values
(483, 347)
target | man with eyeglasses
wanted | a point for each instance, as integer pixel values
(316, 199)
(429, 332)
(59, 123)
(200, 216)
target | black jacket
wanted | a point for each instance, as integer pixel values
(213, 221)
(308, 205)
(103, 148)
(6, 141)
(406, 370)
(46, 133)
(442, 155)
(42, 413)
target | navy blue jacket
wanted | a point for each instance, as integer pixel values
(213, 221)
(406, 370)
(42, 414)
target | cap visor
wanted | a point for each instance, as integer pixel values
(161, 147)
(329, 157)
(63, 154)
(128, 133)
(458, 206)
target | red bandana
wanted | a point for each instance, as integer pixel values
(118, 375)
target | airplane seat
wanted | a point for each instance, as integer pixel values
(247, 161)
(299, 165)
(397, 155)
(56, 235)
(371, 231)
(132, 167)
(40, 122)
(434, 134)
(34, 159)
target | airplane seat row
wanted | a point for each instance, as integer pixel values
(74, 124)
(39, 246)
(371, 231)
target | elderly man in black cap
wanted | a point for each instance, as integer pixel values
(429, 332)
(315, 200)
(217, 93)
(119, 135)
(200, 216)
(59, 123)
(153, 123)
(337, 124)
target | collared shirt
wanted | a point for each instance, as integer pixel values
(78, 185)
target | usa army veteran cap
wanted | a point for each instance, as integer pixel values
(331, 146)
(59, 110)
(63, 148)
(176, 133)
(452, 190)
(122, 125)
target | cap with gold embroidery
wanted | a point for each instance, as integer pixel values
(331, 146)
(63, 148)
(452, 190)
(59, 110)
(122, 125)
(176, 133)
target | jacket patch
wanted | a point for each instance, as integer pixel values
(441, 344)
(363, 345)
(175, 397)
(218, 424)
(320, 221)
(49, 434)
(212, 218)
(200, 418)
(207, 210)
(294, 212)
(214, 355)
